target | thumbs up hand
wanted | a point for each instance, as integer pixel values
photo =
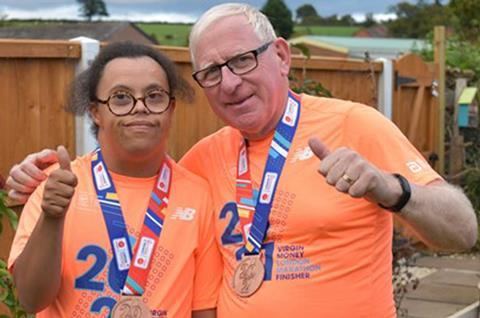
(352, 174)
(60, 187)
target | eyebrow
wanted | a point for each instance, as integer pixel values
(130, 90)
(218, 63)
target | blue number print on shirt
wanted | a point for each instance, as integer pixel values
(87, 280)
(228, 237)
(99, 303)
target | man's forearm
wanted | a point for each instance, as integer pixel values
(37, 269)
(442, 216)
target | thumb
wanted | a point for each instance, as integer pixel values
(63, 158)
(319, 148)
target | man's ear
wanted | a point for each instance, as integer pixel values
(284, 54)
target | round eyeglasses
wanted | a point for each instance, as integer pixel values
(122, 103)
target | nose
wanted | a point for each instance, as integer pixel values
(140, 107)
(230, 81)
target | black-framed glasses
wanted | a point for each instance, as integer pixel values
(239, 65)
(122, 103)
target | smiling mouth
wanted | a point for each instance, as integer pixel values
(238, 102)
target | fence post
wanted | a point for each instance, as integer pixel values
(385, 88)
(84, 140)
(439, 58)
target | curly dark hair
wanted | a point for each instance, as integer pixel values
(83, 89)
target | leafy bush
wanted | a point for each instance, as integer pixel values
(471, 175)
(459, 54)
(7, 287)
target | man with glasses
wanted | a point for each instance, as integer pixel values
(297, 243)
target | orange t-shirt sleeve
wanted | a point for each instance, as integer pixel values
(208, 263)
(383, 144)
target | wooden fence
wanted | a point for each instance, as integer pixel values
(33, 80)
(416, 110)
(35, 75)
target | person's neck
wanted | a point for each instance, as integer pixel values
(133, 166)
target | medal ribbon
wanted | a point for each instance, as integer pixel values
(132, 277)
(254, 215)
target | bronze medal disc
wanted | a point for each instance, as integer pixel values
(131, 307)
(248, 275)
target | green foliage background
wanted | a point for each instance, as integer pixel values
(280, 17)
(7, 287)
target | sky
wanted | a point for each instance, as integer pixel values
(179, 10)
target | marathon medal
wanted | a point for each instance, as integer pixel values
(250, 271)
(248, 275)
(131, 307)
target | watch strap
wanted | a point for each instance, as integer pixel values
(404, 198)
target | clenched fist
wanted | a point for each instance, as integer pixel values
(59, 188)
(352, 174)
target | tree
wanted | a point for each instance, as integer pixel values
(347, 20)
(417, 20)
(466, 18)
(91, 8)
(369, 20)
(280, 17)
(3, 19)
(306, 11)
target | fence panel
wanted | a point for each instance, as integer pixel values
(347, 79)
(415, 109)
(192, 121)
(34, 76)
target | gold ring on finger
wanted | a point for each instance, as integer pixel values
(348, 179)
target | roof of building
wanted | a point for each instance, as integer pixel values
(356, 47)
(376, 31)
(101, 31)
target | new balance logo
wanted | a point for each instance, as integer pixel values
(302, 154)
(415, 166)
(184, 214)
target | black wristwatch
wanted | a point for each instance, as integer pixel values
(404, 198)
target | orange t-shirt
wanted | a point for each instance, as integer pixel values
(183, 275)
(326, 254)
